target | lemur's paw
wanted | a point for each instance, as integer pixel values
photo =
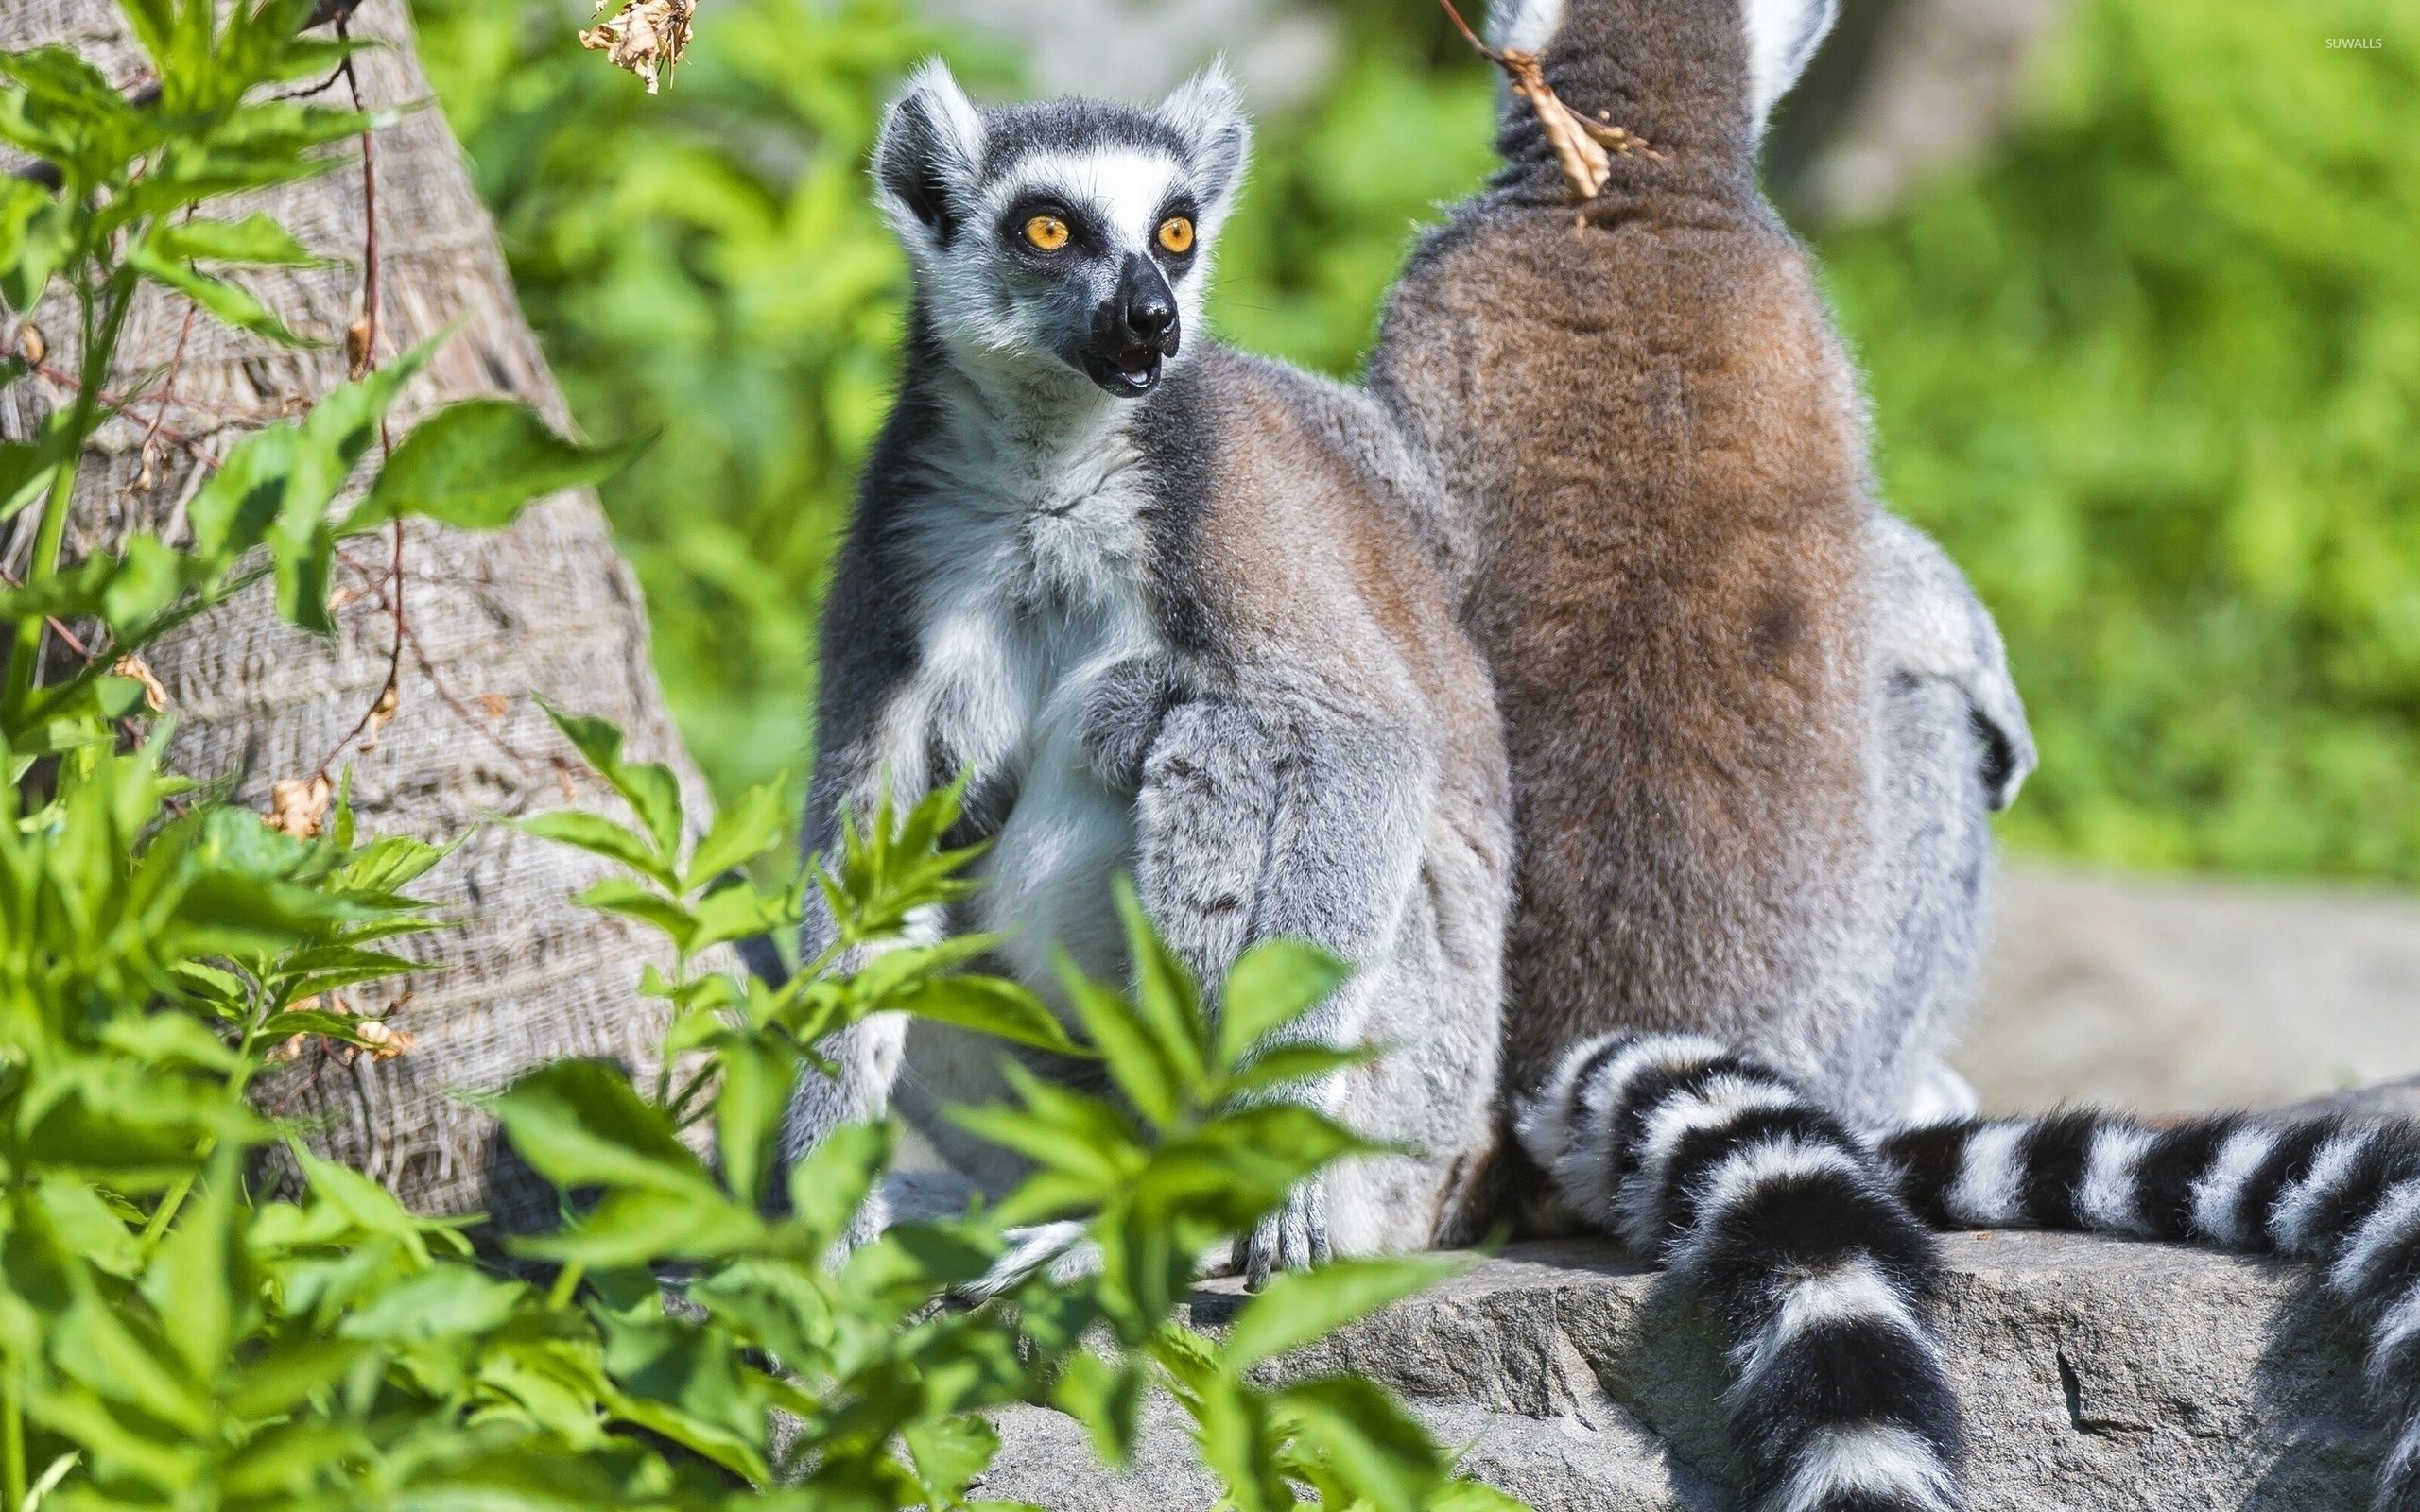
(1059, 1248)
(1122, 717)
(1295, 1237)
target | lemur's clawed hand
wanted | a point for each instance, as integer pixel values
(1122, 719)
(1295, 1237)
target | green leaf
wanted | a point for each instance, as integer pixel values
(600, 835)
(1291, 1065)
(949, 1454)
(989, 1004)
(741, 832)
(1269, 987)
(1166, 993)
(578, 1123)
(199, 1282)
(632, 901)
(256, 240)
(829, 1185)
(1138, 1062)
(236, 306)
(1300, 1306)
(649, 787)
(474, 465)
(1107, 1399)
(444, 1301)
(758, 1077)
(629, 1228)
(36, 235)
(1367, 1439)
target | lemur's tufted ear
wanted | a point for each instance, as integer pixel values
(929, 151)
(1528, 24)
(1782, 38)
(1208, 112)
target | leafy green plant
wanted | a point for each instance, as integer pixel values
(1188, 1155)
(122, 209)
(180, 1329)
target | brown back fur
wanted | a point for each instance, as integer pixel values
(1646, 408)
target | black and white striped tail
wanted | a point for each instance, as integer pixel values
(2346, 1196)
(1723, 1170)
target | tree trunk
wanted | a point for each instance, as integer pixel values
(545, 608)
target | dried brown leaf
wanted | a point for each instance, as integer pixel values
(155, 696)
(381, 715)
(647, 38)
(299, 806)
(386, 1042)
(356, 347)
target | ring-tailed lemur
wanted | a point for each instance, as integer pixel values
(1755, 725)
(1162, 601)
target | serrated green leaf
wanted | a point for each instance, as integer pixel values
(36, 236)
(991, 1006)
(633, 901)
(747, 828)
(256, 240)
(474, 465)
(1270, 985)
(231, 304)
(1365, 1439)
(829, 1185)
(1138, 1060)
(1298, 1307)
(201, 1283)
(1108, 1399)
(579, 1122)
(600, 835)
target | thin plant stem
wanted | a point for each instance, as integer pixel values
(100, 346)
(12, 1438)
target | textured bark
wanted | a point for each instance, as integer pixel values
(548, 607)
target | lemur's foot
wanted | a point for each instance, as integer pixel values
(1295, 1237)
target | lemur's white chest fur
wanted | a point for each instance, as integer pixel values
(1030, 556)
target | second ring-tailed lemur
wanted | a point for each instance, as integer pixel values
(1161, 600)
(1754, 727)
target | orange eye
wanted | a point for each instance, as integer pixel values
(1176, 234)
(1047, 233)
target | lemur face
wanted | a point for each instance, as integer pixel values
(1068, 238)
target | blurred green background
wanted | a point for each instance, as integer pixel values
(2148, 362)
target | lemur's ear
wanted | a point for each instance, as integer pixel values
(1528, 24)
(1208, 112)
(1782, 38)
(930, 151)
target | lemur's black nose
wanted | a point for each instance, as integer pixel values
(1147, 306)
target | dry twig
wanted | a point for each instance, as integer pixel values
(1583, 148)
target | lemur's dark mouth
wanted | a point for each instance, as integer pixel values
(1130, 370)
(1128, 374)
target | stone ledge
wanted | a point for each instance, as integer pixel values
(2097, 1374)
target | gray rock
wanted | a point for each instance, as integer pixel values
(2098, 1375)
(2173, 995)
